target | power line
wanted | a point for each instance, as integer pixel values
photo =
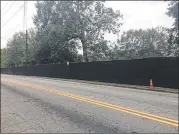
(8, 9)
(13, 15)
(4, 6)
(17, 26)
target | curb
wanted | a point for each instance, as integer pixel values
(157, 89)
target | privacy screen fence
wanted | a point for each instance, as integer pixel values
(164, 72)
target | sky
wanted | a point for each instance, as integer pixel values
(136, 15)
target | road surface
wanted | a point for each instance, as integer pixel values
(41, 105)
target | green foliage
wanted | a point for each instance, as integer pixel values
(32, 46)
(173, 11)
(65, 27)
(3, 58)
(16, 48)
(84, 22)
(155, 42)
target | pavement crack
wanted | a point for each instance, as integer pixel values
(26, 130)
(41, 127)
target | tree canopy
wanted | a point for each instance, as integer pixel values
(153, 42)
(16, 48)
(3, 58)
(173, 12)
(63, 29)
(75, 23)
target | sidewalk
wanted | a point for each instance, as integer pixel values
(11, 121)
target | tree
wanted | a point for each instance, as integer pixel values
(173, 12)
(145, 43)
(3, 58)
(80, 21)
(32, 46)
(16, 48)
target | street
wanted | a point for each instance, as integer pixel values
(41, 105)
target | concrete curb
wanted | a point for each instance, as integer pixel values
(158, 89)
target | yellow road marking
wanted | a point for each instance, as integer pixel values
(107, 105)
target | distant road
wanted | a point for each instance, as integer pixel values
(40, 105)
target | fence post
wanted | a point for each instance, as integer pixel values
(68, 66)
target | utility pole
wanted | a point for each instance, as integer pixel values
(26, 47)
(25, 30)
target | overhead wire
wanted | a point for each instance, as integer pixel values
(12, 16)
(4, 6)
(17, 26)
(8, 9)
(25, 17)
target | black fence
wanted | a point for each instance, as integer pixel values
(163, 71)
(51, 70)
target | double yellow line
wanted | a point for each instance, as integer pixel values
(99, 103)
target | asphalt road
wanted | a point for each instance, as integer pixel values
(40, 105)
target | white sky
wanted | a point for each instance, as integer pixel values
(136, 15)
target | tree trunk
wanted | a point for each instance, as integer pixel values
(85, 56)
(82, 34)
